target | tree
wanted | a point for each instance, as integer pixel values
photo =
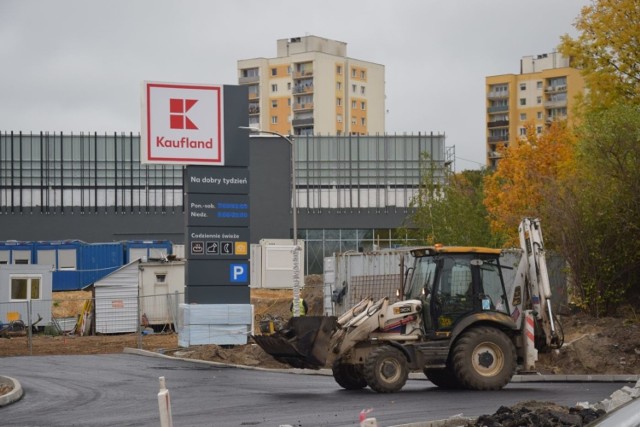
(597, 210)
(517, 188)
(450, 210)
(607, 50)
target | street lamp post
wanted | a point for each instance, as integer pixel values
(294, 201)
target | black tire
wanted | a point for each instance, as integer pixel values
(385, 369)
(484, 358)
(443, 378)
(348, 376)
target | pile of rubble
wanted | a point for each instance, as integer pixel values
(534, 413)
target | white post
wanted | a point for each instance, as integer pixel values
(164, 403)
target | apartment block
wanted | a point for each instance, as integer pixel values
(545, 90)
(312, 88)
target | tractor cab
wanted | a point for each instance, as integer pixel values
(454, 283)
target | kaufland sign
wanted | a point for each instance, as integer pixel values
(182, 124)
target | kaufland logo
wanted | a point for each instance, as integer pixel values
(183, 124)
(178, 109)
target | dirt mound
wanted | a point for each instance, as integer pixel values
(535, 413)
(607, 345)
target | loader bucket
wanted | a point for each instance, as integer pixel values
(302, 343)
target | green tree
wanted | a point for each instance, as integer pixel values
(607, 50)
(596, 211)
(449, 210)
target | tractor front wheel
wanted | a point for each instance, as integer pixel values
(385, 369)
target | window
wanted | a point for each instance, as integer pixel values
(274, 71)
(289, 86)
(289, 70)
(353, 88)
(353, 105)
(363, 121)
(523, 132)
(339, 118)
(362, 90)
(353, 120)
(289, 102)
(339, 69)
(363, 105)
(274, 88)
(274, 120)
(161, 278)
(274, 103)
(339, 86)
(362, 75)
(523, 101)
(47, 257)
(539, 84)
(539, 100)
(22, 257)
(25, 287)
(523, 86)
(4, 257)
(353, 72)
(539, 115)
(523, 116)
(539, 130)
(339, 102)
(67, 259)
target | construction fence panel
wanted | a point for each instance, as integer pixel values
(128, 320)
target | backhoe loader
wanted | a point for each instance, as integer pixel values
(457, 322)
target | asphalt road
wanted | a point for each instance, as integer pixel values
(122, 389)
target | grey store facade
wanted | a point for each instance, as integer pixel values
(352, 191)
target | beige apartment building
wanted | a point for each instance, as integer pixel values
(544, 91)
(312, 88)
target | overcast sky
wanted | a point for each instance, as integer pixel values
(76, 65)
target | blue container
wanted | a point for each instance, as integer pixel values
(151, 249)
(93, 261)
(16, 252)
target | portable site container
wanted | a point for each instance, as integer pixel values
(116, 301)
(158, 285)
(146, 249)
(162, 285)
(77, 264)
(24, 285)
(15, 252)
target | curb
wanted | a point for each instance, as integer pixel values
(532, 378)
(14, 395)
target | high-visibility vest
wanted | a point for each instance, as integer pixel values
(303, 311)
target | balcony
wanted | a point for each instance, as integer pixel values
(303, 88)
(254, 109)
(497, 109)
(494, 155)
(498, 123)
(556, 88)
(302, 74)
(303, 106)
(498, 94)
(249, 80)
(498, 138)
(555, 104)
(254, 96)
(308, 121)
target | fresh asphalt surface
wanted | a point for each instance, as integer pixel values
(121, 390)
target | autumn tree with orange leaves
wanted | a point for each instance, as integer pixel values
(520, 185)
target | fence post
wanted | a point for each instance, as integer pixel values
(139, 328)
(28, 325)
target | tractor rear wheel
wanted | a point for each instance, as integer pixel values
(348, 376)
(385, 369)
(484, 358)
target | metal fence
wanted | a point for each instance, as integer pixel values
(41, 326)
